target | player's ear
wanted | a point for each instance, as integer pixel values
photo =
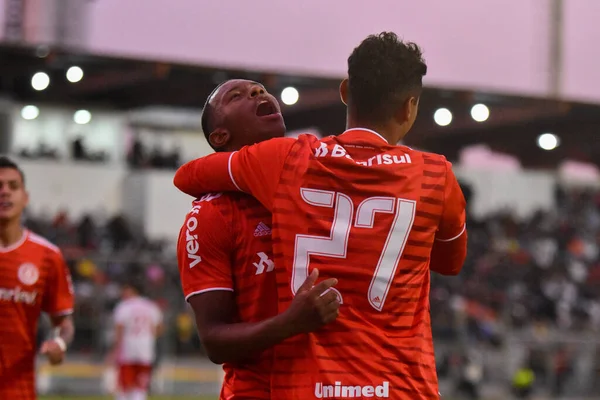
(344, 91)
(219, 137)
(408, 111)
(414, 108)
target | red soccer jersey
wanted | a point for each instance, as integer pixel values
(225, 244)
(33, 278)
(367, 213)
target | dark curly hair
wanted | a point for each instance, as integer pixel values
(383, 71)
(6, 162)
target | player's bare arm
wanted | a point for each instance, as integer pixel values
(55, 347)
(228, 341)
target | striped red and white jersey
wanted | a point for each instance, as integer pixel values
(369, 214)
(225, 244)
(33, 278)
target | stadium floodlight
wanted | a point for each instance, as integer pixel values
(290, 96)
(30, 112)
(42, 51)
(40, 81)
(548, 141)
(82, 117)
(442, 117)
(480, 112)
(74, 74)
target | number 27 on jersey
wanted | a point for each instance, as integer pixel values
(336, 244)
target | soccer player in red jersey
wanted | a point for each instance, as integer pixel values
(226, 260)
(33, 278)
(375, 215)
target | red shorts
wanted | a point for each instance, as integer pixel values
(134, 376)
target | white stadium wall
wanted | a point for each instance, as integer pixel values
(519, 192)
(75, 188)
(166, 206)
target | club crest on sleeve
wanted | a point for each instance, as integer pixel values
(28, 274)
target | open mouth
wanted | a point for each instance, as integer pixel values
(266, 108)
(5, 205)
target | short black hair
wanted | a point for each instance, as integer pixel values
(382, 72)
(207, 119)
(6, 162)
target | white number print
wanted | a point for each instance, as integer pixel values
(336, 245)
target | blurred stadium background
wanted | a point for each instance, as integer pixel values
(100, 102)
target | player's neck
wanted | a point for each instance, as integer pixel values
(10, 232)
(384, 130)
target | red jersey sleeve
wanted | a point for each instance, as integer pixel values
(450, 246)
(204, 251)
(254, 169)
(59, 295)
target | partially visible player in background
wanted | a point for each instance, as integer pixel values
(138, 323)
(226, 260)
(33, 278)
(377, 216)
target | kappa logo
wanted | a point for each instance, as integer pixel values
(28, 274)
(262, 230)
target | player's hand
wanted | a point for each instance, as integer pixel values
(52, 350)
(313, 306)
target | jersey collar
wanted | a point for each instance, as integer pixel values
(365, 130)
(15, 245)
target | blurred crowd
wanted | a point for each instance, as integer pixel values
(541, 273)
(531, 290)
(103, 253)
(78, 151)
(159, 157)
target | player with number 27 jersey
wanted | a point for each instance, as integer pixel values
(375, 216)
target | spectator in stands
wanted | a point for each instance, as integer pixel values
(78, 149)
(119, 232)
(137, 154)
(86, 233)
(523, 382)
